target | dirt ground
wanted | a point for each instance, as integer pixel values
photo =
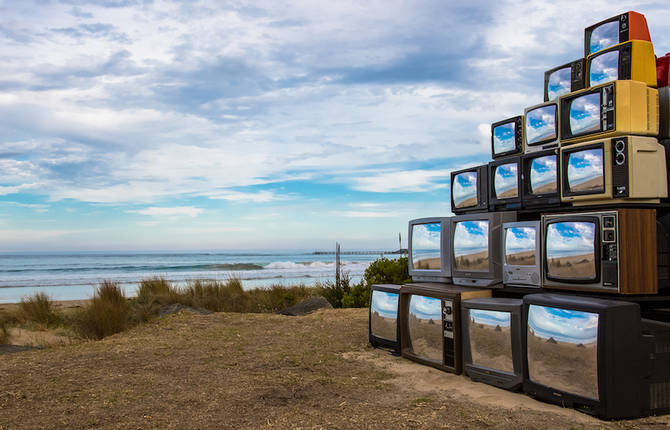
(257, 371)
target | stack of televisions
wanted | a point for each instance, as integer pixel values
(552, 277)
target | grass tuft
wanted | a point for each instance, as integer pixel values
(39, 309)
(4, 331)
(108, 313)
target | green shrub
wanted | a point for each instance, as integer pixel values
(357, 297)
(334, 292)
(108, 312)
(39, 308)
(381, 271)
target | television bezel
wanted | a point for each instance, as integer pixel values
(529, 198)
(566, 101)
(429, 275)
(518, 136)
(580, 217)
(575, 83)
(565, 154)
(537, 268)
(482, 190)
(630, 16)
(546, 143)
(377, 341)
(494, 201)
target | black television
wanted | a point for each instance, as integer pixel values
(469, 190)
(540, 185)
(507, 137)
(493, 338)
(429, 259)
(505, 184)
(542, 129)
(383, 327)
(564, 79)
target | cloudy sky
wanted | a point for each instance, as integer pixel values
(151, 125)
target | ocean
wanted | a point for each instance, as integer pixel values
(74, 276)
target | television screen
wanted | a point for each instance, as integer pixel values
(604, 36)
(520, 246)
(543, 175)
(559, 83)
(604, 68)
(425, 327)
(471, 246)
(384, 315)
(504, 138)
(585, 114)
(426, 246)
(562, 349)
(541, 124)
(491, 339)
(570, 250)
(506, 181)
(464, 190)
(585, 173)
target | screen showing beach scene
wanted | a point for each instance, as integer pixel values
(520, 246)
(384, 315)
(464, 190)
(541, 124)
(570, 250)
(560, 82)
(585, 171)
(426, 240)
(425, 327)
(604, 36)
(471, 246)
(504, 138)
(543, 175)
(604, 68)
(585, 114)
(563, 350)
(491, 339)
(506, 181)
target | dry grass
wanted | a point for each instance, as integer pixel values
(107, 313)
(39, 309)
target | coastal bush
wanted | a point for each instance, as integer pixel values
(39, 309)
(334, 292)
(277, 297)
(381, 271)
(217, 296)
(107, 313)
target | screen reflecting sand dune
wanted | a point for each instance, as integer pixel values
(543, 175)
(471, 246)
(425, 327)
(520, 246)
(541, 124)
(491, 339)
(464, 190)
(585, 114)
(426, 246)
(604, 68)
(604, 36)
(384, 314)
(559, 83)
(503, 138)
(506, 181)
(585, 171)
(570, 250)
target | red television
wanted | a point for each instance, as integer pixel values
(615, 30)
(663, 70)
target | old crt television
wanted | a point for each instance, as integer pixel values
(476, 252)
(469, 190)
(614, 109)
(540, 185)
(663, 70)
(611, 251)
(542, 126)
(430, 323)
(625, 169)
(493, 338)
(429, 249)
(615, 30)
(664, 111)
(384, 330)
(522, 256)
(507, 137)
(505, 184)
(634, 60)
(564, 79)
(585, 353)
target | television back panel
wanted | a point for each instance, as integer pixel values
(540, 180)
(542, 126)
(632, 60)
(383, 326)
(469, 190)
(663, 70)
(505, 184)
(507, 137)
(522, 254)
(429, 257)
(564, 79)
(612, 31)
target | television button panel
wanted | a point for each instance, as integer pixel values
(608, 113)
(448, 331)
(608, 222)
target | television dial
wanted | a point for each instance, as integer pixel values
(620, 145)
(620, 158)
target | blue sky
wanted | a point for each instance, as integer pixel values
(563, 324)
(149, 125)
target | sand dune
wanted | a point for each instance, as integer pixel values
(427, 264)
(573, 266)
(524, 258)
(472, 201)
(590, 185)
(476, 261)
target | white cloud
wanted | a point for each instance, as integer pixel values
(180, 211)
(402, 181)
(238, 196)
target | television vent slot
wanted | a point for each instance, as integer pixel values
(661, 346)
(659, 395)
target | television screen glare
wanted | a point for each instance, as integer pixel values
(506, 181)
(384, 315)
(520, 246)
(604, 36)
(562, 349)
(504, 138)
(425, 327)
(585, 171)
(464, 190)
(604, 68)
(541, 124)
(426, 246)
(585, 114)
(560, 83)
(543, 175)
(471, 246)
(491, 339)
(570, 250)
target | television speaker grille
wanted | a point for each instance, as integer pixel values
(659, 395)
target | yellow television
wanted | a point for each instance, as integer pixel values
(633, 60)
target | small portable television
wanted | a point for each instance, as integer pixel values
(542, 126)
(505, 184)
(612, 251)
(476, 253)
(383, 328)
(625, 169)
(615, 30)
(564, 79)
(521, 243)
(614, 109)
(507, 137)
(429, 249)
(469, 190)
(430, 323)
(493, 337)
(540, 185)
(634, 60)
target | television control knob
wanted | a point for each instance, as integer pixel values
(447, 310)
(620, 158)
(620, 145)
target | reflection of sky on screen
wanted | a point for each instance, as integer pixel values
(505, 178)
(471, 237)
(503, 138)
(604, 68)
(425, 241)
(425, 307)
(519, 239)
(570, 238)
(385, 303)
(563, 325)
(542, 171)
(488, 317)
(604, 36)
(585, 114)
(559, 83)
(584, 166)
(465, 187)
(541, 124)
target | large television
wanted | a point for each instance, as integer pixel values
(507, 137)
(540, 185)
(564, 79)
(429, 251)
(469, 190)
(610, 251)
(492, 332)
(624, 169)
(633, 60)
(383, 327)
(476, 252)
(505, 184)
(542, 129)
(612, 31)
(430, 323)
(522, 256)
(617, 108)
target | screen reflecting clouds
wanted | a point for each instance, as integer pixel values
(570, 250)
(560, 82)
(585, 114)
(504, 138)
(604, 36)
(585, 171)
(464, 189)
(425, 327)
(384, 314)
(491, 339)
(541, 124)
(471, 245)
(506, 181)
(520, 246)
(543, 175)
(426, 246)
(604, 68)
